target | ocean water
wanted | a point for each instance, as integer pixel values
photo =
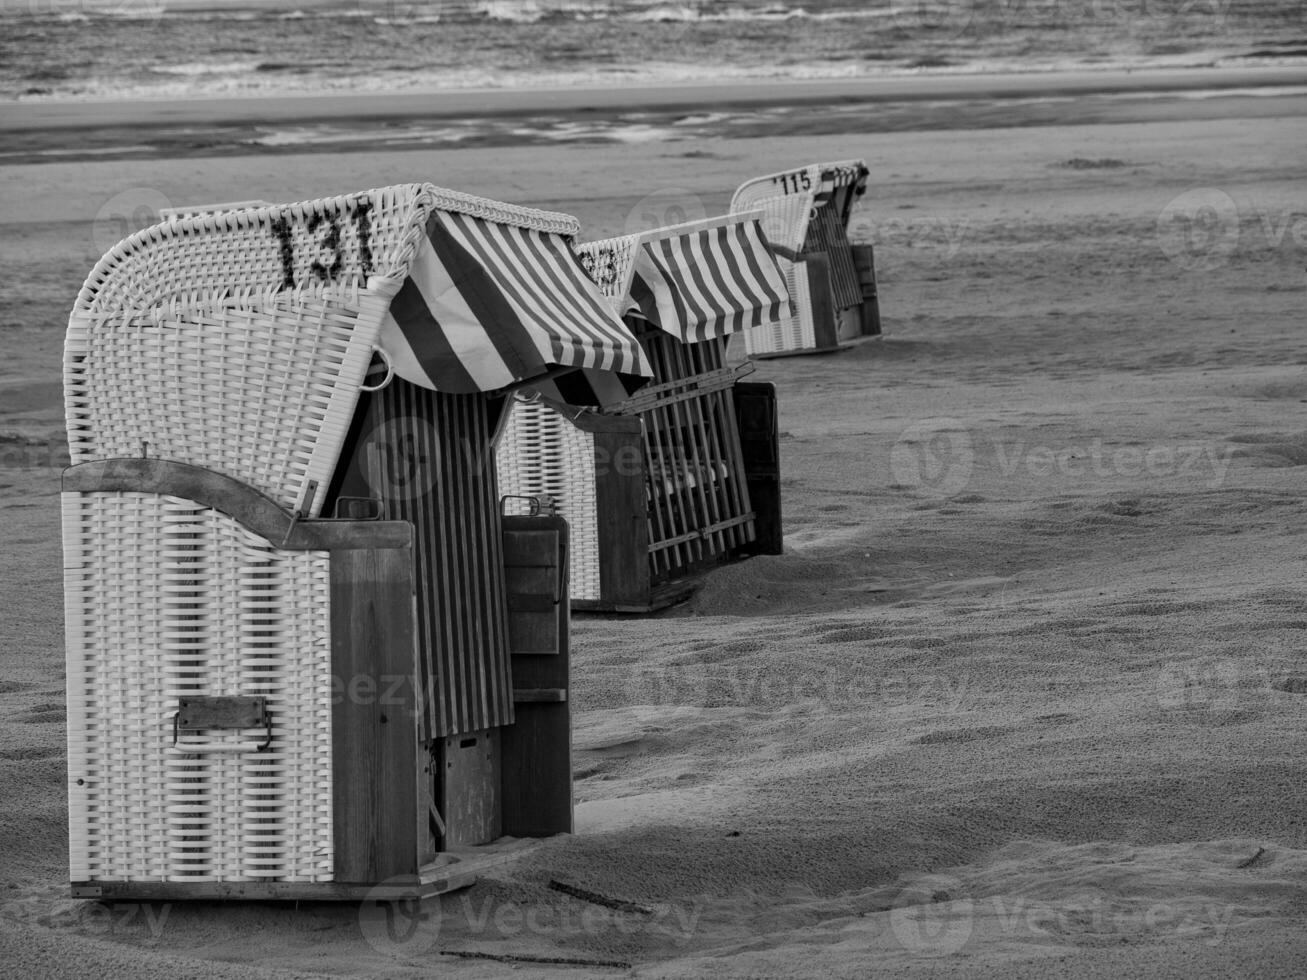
(103, 49)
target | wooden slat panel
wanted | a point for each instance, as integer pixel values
(826, 233)
(537, 748)
(697, 491)
(374, 724)
(825, 330)
(625, 516)
(755, 404)
(536, 600)
(472, 797)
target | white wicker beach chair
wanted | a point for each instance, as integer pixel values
(656, 484)
(215, 372)
(807, 212)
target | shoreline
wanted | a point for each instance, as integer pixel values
(655, 116)
(19, 117)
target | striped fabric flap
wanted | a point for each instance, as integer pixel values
(706, 279)
(487, 305)
(851, 174)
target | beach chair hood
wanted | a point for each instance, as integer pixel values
(238, 339)
(696, 281)
(489, 304)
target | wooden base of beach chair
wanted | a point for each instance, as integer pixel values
(659, 598)
(454, 871)
(864, 261)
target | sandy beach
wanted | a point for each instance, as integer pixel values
(1025, 696)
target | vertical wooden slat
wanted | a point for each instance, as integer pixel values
(624, 513)
(825, 331)
(755, 404)
(659, 455)
(690, 416)
(537, 748)
(374, 724)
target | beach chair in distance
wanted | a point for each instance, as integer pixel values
(683, 474)
(308, 657)
(832, 282)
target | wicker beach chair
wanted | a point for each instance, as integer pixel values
(831, 281)
(657, 483)
(304, 648)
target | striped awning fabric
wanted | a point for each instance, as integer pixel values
(707, 279)
(834, 176)
(488, 305)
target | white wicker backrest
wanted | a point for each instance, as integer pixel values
(538, 451)
(789, 197)
(237, 340)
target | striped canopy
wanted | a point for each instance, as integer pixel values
(490, 304)
(706, 279)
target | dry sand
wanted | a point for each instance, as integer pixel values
(1014, 701)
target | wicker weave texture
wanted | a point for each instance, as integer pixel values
(610, 263)
(541, 452)
(165, 598)
(261, 395)
(330, 247)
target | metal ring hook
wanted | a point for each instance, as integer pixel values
(390, 371)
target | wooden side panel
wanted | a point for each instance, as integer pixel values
(375, 735)
(864, 260)
(623, 516)
(472, 793)
(755, 408)
(826, 234)
(537, 747)
(824, 327)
